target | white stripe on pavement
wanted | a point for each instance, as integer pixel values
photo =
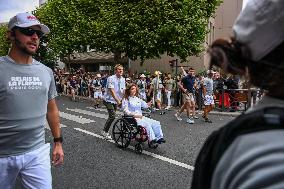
(103, 110)
(78, 119)
(144, 152)
(86, 112)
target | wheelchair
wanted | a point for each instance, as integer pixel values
(126, 129)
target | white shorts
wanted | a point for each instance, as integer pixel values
(208, 100)
(98, 94)
(33, 168)
(158, 96)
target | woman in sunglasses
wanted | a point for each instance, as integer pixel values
(27, 98)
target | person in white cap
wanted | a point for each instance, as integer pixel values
(27, 99)
(142, 85)
(248, 152)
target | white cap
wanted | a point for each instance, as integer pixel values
(142, 75)
(260, 27)
(24, 20)
(127, 79)
(99, 75)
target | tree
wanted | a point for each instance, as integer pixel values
(139, 28)
(4, 43)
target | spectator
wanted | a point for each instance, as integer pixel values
(251, 152)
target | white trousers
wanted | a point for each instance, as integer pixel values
(152, 126)
(32, 169)
(169, 93)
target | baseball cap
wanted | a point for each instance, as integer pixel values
(24, 20)
(260, 27)
(142, 75)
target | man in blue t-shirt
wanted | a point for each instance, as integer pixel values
(187, 85)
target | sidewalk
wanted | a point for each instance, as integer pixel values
(214, 112)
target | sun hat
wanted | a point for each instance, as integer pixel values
(24, 20)
(260, 27)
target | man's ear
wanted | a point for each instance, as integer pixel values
(11, 35)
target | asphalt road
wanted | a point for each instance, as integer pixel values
(92, 162)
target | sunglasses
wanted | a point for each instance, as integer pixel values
(30, 32)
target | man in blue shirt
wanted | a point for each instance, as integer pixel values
(187, 85)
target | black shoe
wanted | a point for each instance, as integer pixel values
(161, 140)
(208, 120)
(162, 113)
(153, 144)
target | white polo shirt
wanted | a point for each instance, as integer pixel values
(118, 84)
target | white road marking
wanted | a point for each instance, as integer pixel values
(47, 126)
(144, 151)
(78, 119)
(86, 112)
(103, 110)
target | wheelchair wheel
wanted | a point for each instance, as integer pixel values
(138, 148)
(121, 133)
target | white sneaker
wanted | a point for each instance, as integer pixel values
(168, 107)
(106, 135)
(178, 117)
(190, 121)
(195, 117)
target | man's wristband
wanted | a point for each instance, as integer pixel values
(59, 139)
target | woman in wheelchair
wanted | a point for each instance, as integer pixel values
(132, 105)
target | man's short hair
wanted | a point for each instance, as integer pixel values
(117, 66)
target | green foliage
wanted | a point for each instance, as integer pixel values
(139, 28)
(44, 54)
(4, 43)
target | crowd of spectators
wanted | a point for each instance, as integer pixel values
(80, 83)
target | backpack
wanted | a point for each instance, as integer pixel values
(216, 144)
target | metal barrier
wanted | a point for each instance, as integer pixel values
(235, 99)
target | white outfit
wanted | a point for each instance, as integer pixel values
(118, 84)
(32, 175)
(169, 93)
(133, 106)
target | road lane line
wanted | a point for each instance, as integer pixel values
(103, 110)
(86, 112)
(144, 151)
(78, 119)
